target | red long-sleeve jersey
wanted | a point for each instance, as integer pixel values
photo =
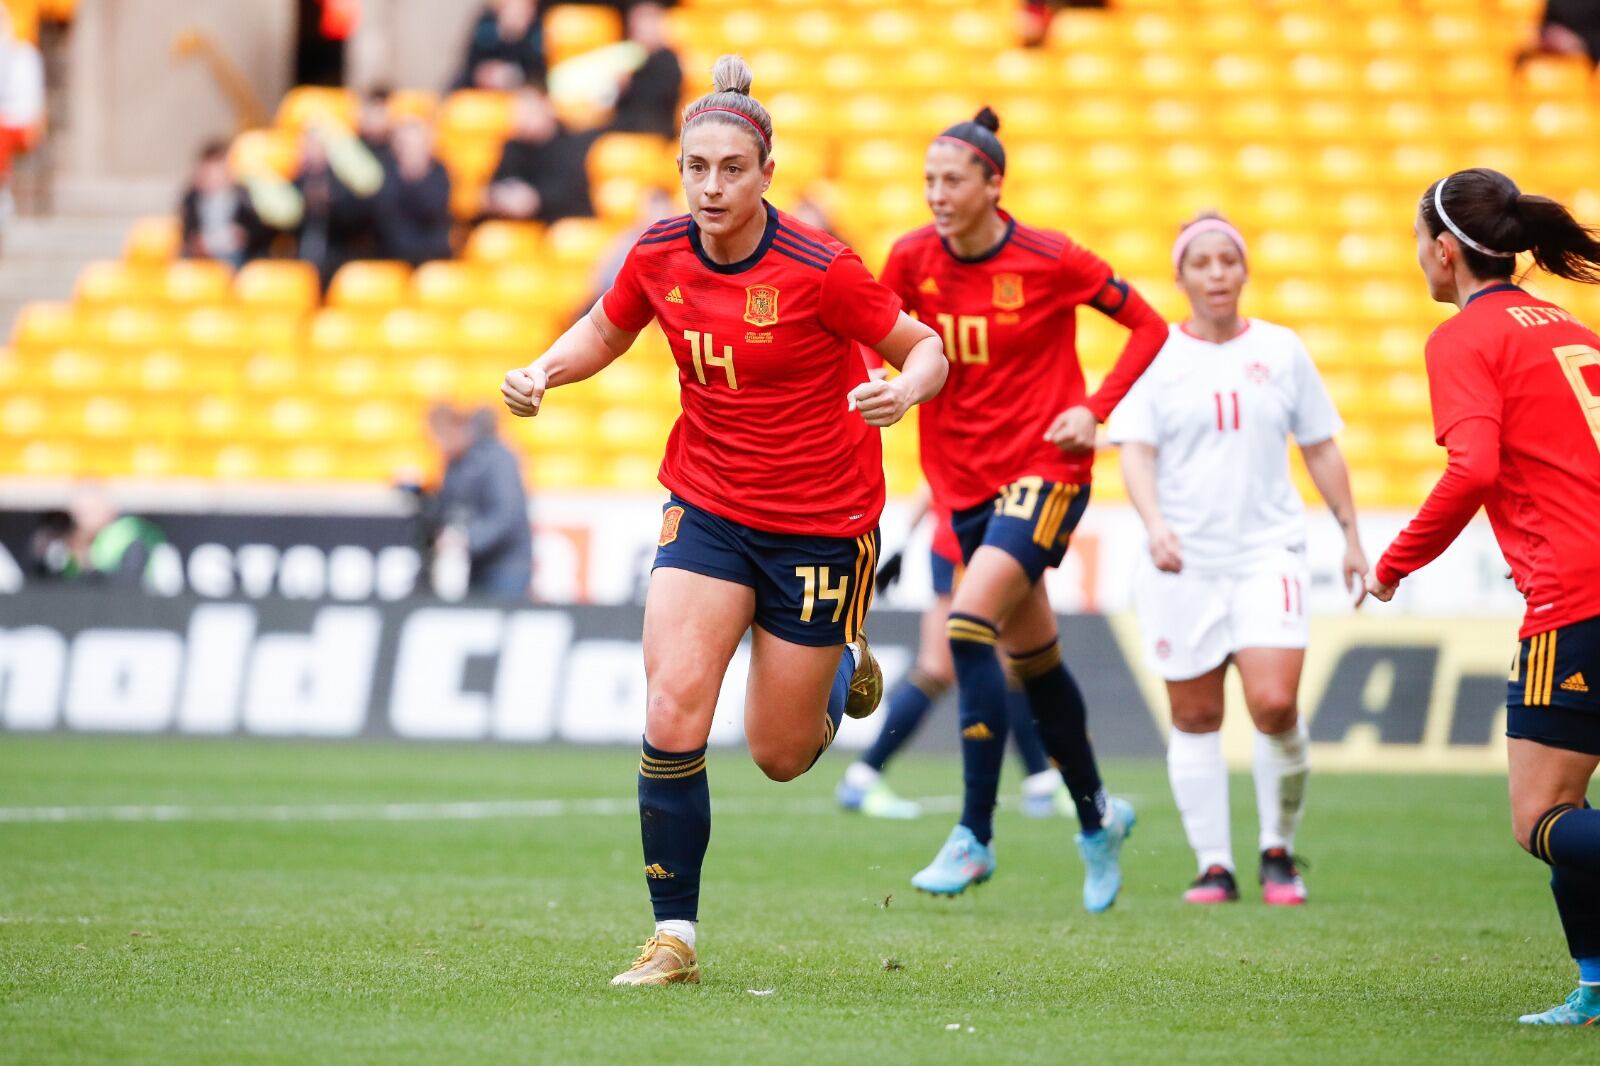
(1515, 385)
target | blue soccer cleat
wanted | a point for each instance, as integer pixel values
(1102, 852)
(960, 863)
(1581, 1008)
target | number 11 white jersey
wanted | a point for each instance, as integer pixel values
(1219, 416)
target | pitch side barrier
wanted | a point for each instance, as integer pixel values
(1403, 694)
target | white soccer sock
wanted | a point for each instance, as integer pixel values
(1200, 785)
(679, 928)
(860, 775)
(1281, 766)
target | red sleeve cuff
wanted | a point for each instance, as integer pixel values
(1386, 573)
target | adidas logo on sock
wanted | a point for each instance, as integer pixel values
(1575, 683)
(656, 872)
(978, 731)
(675, 296)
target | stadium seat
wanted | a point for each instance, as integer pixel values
(504, 242)
(627, 155)
(119, 283)
(449, 286)
(41, 326)
(269, 153)
(369, 285)
(475, 113)
(307, 105)
(281, 285)
(572, 29)
(153, 240)
(196, 281)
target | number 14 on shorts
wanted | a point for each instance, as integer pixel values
(819, 586)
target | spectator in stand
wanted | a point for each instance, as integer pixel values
(481, 508)
(108, 547)
(374, 125)
(322, 27)
(1034, 19)
(542, 174)
(505, 49)
(649, 99)
(21, 104)
(413, 209)
(219, 221)
(1569, 28)
(333, 222)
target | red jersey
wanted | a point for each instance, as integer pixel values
(1515, 384)
(945, 545)
(1009, 321)
(767, 356)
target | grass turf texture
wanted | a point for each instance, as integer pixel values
(493, 940)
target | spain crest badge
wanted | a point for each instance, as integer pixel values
(1008, 291)
(761, 305)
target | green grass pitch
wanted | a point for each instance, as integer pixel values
(354, 938)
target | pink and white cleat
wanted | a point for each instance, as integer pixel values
(1280, 879)
(1216, 885)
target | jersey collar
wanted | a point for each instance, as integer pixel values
(748, 261)
(1504, 286)
(983, 257)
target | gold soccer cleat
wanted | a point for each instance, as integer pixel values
(665, 960)
(866, 684)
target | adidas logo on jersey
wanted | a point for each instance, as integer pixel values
(929, 287)
(675, 296)
(1575, 683)
(978, 731)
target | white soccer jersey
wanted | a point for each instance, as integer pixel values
(1219, 416)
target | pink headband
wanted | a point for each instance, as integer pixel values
(1205, 225)
(730, 111)
(975, 150)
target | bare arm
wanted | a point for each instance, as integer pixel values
(1325, 463)
(587, 348)
(1139, 475)
(917, 352)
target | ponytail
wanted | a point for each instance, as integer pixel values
(1493, 221)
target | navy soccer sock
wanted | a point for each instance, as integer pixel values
(982, 687)
(1063, 723)
(1024, 734)
(675, 823)
(1568, 836)
(837, 697)
(908, 702)
(1578, 902)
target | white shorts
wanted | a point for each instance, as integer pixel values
(1190, 623)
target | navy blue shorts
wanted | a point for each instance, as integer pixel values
(944, 574)
(1030, 520)
(809, 590)
(1550, 697)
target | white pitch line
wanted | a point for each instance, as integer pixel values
(411, 812)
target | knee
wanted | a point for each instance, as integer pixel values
(782, 765)
(674, 719)
(1275, 711)
(1197, 719)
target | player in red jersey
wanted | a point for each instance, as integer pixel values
(1007, 447)
(1515, 385)
(776, 475)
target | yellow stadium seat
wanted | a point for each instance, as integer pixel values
(572, 29)
(475, 113)
(413, 103)
(627, 155)
(265, 154)
(47, 325)
(216, 330)
(506, 242)
(136, 328)
(153, 240)
(412, 329)
(273, 373)
(281, 285)
(337, 329)
(372, 285)
(1569, 77)
(306, 105)
(578, 242)
(115, 282)
(196, 281)
(449, 286)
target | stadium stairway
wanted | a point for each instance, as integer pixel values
(42, 256)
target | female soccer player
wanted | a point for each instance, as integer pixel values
(1204, 456)
(776, 477)
(1515, 384)
(1008, 448)
(909, 700)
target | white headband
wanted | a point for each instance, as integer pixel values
(1438, 205)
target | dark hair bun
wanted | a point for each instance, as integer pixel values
(987, 119)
